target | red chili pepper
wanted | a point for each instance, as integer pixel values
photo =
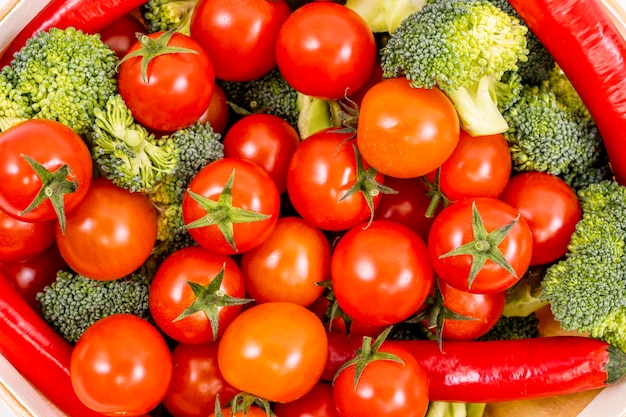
(507, 370)
(90, 16)
(37, 351)
(591, 51)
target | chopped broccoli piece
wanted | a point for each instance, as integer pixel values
(587, 289)
(524, 298)
(384, 15)
(74, 302)
(464, 47)
(164, 15)
(172, 234)
(61, 75)
(509, 328)
(268, 94)
(455, 409)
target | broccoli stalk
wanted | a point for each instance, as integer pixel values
(464, 47)
(164, 15)
(60, 75)
(384, 15)
(455, 409)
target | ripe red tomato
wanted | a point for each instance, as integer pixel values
(406, 132)
(385, 388)
(479, 166)
(110, 233)
(176, 88)
(551, 208)
(215, 306)
(318, 402)
(196, 380)
(289, 264)
(239, 35)
(122, 34)
(239, 206)
(325, 50)
(218, 112)
(381, 274)
(481, 312)
(321, 180)
(265, 139)
(275, 350)
(53, 148)
(121, 365)
(477, 226)
(20, 240)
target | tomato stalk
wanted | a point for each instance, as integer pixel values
(37, 351)
(589, 48)
(86, 15)
(503, 370)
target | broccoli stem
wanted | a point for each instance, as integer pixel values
(616, 365)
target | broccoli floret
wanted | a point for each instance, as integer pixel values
(74, 302)
(172, 234)
(164, 15)
(384, 15)
(463, 47)
(509, 328)
(524, 298)
(269, 94)
(544, 135)
(587, 289)
(125, 152)
(192, 148)
(59, 75)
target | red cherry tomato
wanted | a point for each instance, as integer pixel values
(20, 240)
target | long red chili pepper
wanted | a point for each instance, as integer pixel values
(508, 370)
(90, 16)
(37, 351)
(591, 51)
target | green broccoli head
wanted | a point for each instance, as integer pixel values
(463, 47)
(164, 15)
(509, 328)
(172, 234)
(587, 289)
(14, 106)
(61, 75)
(74, 302)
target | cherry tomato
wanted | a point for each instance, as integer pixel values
(289, 265)
(275, 350)
(196, 315)
(385, 388)
(59, 171)
(476, 230)
(239, 35)
(122, 34)
(243, 196)
(381, 274)
(196, 380)
(265, 139)
(176, 88)
(110, 233)
(406, 132)
(326, 186)
(325, 50)
(318, 402)
(218, 112)
(551, 208)
(121, 365)
(479, 166)
(20, 240)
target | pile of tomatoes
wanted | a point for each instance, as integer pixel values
(368, 222)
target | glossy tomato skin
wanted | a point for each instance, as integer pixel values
(453, 228)
(253, 190)
(325, 50)
(318, 402)
(381, 273)
(110, 223)
(321, 171)
(275, 350)
(479, 166)
(196, 380)
(170, 293)
(218, 112)
(289, 265)
(385, 388)
(178, 88)
(121, 365)
(406, 132)
(121, 35)
(265, 139)
(51, 144)
(551, 208)
(20, 240)
(239, 35)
